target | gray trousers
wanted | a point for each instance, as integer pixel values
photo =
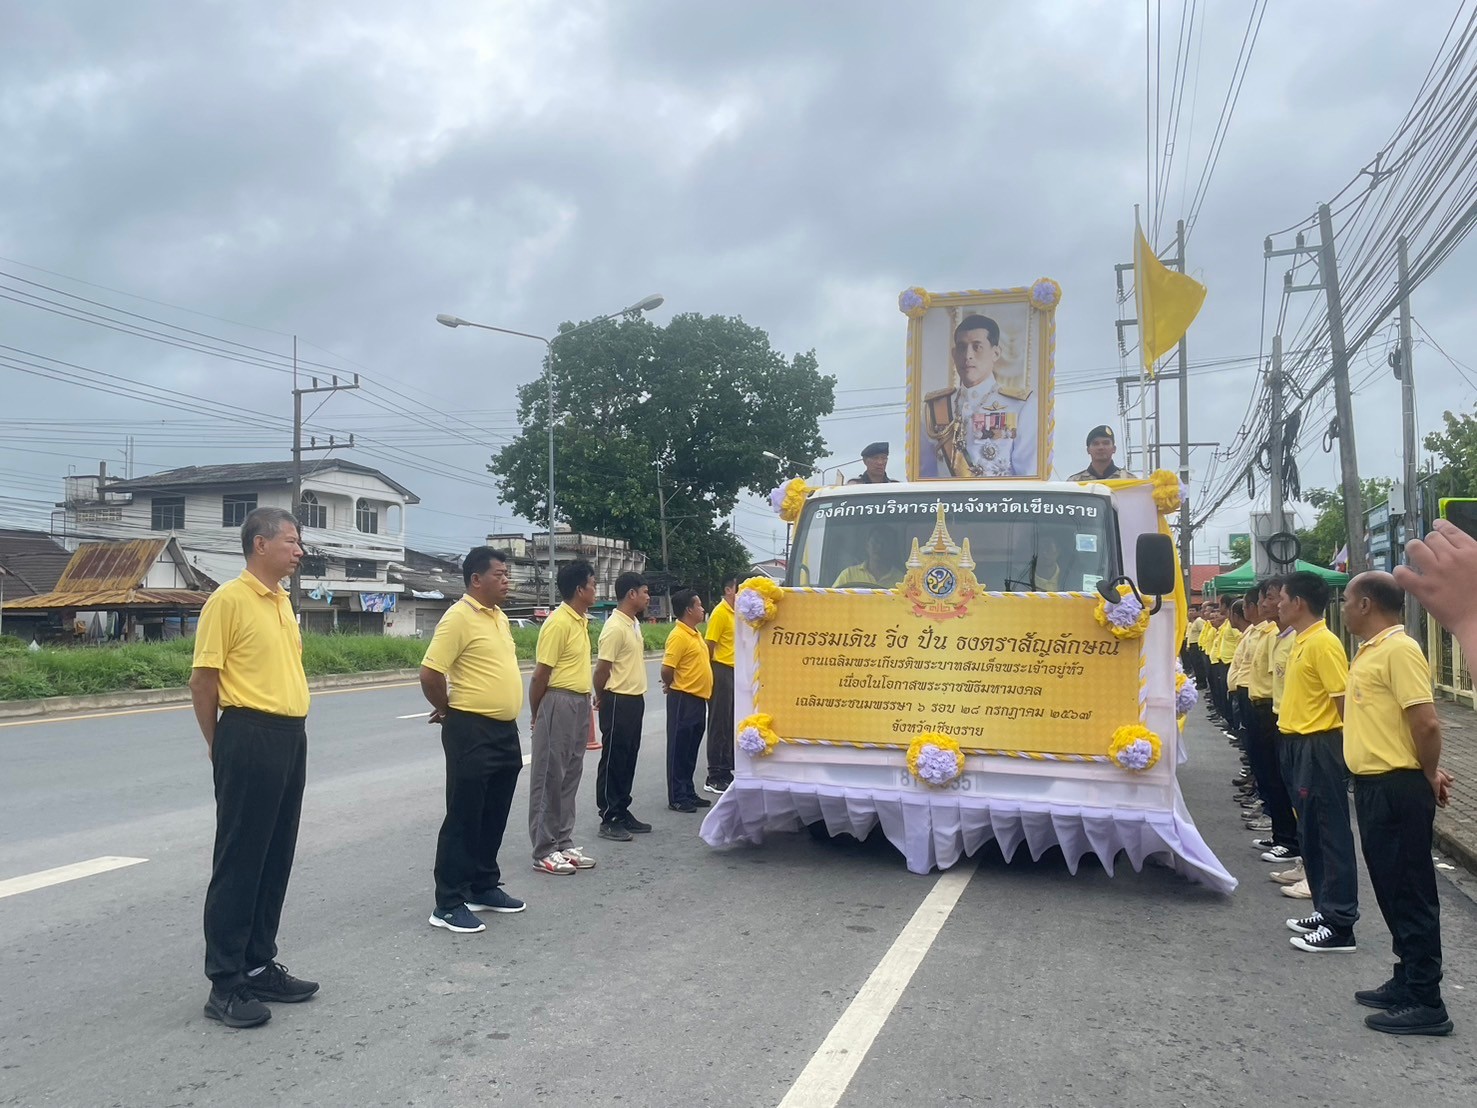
(560, 735)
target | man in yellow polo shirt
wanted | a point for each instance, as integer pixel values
(687, 679)
(472, 651)
(620, 702)
(1215, 616)
(1392, 742)
(1227, 635)
(720, 707)
(559, 702)
(1312, 701)
(250, 696)
(1271, 786)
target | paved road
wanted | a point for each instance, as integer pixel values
(669, 975)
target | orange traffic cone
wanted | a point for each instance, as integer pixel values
(594, 743)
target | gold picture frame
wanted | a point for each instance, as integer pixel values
(1001, 427)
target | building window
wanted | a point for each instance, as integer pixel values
(393, 519)
(310, 513)
(366, 517)
(236, 507)
(167, 513)
(358, 569)
(313, 565)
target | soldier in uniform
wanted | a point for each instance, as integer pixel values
(982, 428)
(874, 457)
(1101, 467)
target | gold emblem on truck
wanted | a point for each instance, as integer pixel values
(939, 582)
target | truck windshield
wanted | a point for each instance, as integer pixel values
(1020, 542)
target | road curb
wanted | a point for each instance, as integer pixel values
(1461, 852)
(135, 698)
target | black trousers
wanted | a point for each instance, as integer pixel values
(720, 727)
(1218, 690)
(1201, 672)
(1266, 767)
(1395, 814)
(259, 764)
(687, 715)
(483, 761)
(1320, 797)
(621, 717)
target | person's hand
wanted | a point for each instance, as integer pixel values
(436, 715)
(1441, 782)
(1441, 569)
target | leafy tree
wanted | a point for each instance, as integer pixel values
(697, 401)
(1322, 541)
(1240, 550)
(1456, 446)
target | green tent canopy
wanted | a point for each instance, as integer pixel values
(1240, 579)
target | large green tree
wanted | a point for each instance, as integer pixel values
(1456, 445)
(694, 404)
(1322, 541)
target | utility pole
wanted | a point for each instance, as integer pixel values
(661, 505)
(1184, 358)
(1343, 400)
(1407, 416)
(298, 450)
(1276, 448)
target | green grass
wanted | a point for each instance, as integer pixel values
(84, 670)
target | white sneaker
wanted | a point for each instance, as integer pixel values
(1300, 891)
(555, 863)
(577, 858)
(1289, 876)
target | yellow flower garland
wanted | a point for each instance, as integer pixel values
(944, 743)
(795, 493)
(768, 591)
(1166, 491)
(1134, 630)
(914, 302)
(1126, 736)
(761, 724)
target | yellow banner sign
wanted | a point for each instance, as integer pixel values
(1031, 673)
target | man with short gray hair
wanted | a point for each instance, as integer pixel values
(250, 696)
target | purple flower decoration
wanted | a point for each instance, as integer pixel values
(750, 605)
(936, 765)
(750, 741)
(1136, 755)
(1045, 294)
(777, 498)
(1186, 698)
(1125, 613)
(910, 301)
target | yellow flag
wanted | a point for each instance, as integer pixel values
(1168, 302)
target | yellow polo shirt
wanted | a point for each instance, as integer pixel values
(473, 646)
(687, 654)
(248, 633)
(1192, 633)
(1317, 671)
(1238, 676)
(720, 633)
(1281, 652)
(1259, 672)
(1208, 635)
(1226, 641)
(860, 577)
(564, 646)
(1388, 675)
(623, 647)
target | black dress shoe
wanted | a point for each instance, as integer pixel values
(683, 807)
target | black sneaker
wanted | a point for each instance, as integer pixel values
(458, 919)
(1280, 853)
(717, 788)
(615, 832)
(700, 802)
(1307, 925)
(276, 985)
(1391, 994)
(237, 1008)
(1325, 940)
(685, 806)
(1411, 1018)
(495, 900)
(633, 825)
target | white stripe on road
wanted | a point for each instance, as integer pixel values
(823, 1081)
(32, 881)
(415, 715)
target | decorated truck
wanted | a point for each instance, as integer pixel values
(964, 659)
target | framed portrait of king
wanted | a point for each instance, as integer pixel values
(980, 366)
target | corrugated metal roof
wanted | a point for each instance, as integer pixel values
(111, 575)
(260, 473)
(33, 561)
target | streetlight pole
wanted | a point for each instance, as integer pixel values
(645, 304)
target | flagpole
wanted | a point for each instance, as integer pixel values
(1138, 292)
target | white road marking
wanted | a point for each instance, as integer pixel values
(30, 882)
(825, 1078)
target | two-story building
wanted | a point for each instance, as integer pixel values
(352, 517)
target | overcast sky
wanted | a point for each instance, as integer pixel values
(344, 171)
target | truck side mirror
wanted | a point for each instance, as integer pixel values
(1156, 568)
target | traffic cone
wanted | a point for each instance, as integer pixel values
(594, 743)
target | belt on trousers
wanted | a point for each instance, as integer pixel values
(265, 719)
(1267, 700)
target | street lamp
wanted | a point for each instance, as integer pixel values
(645, 304)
